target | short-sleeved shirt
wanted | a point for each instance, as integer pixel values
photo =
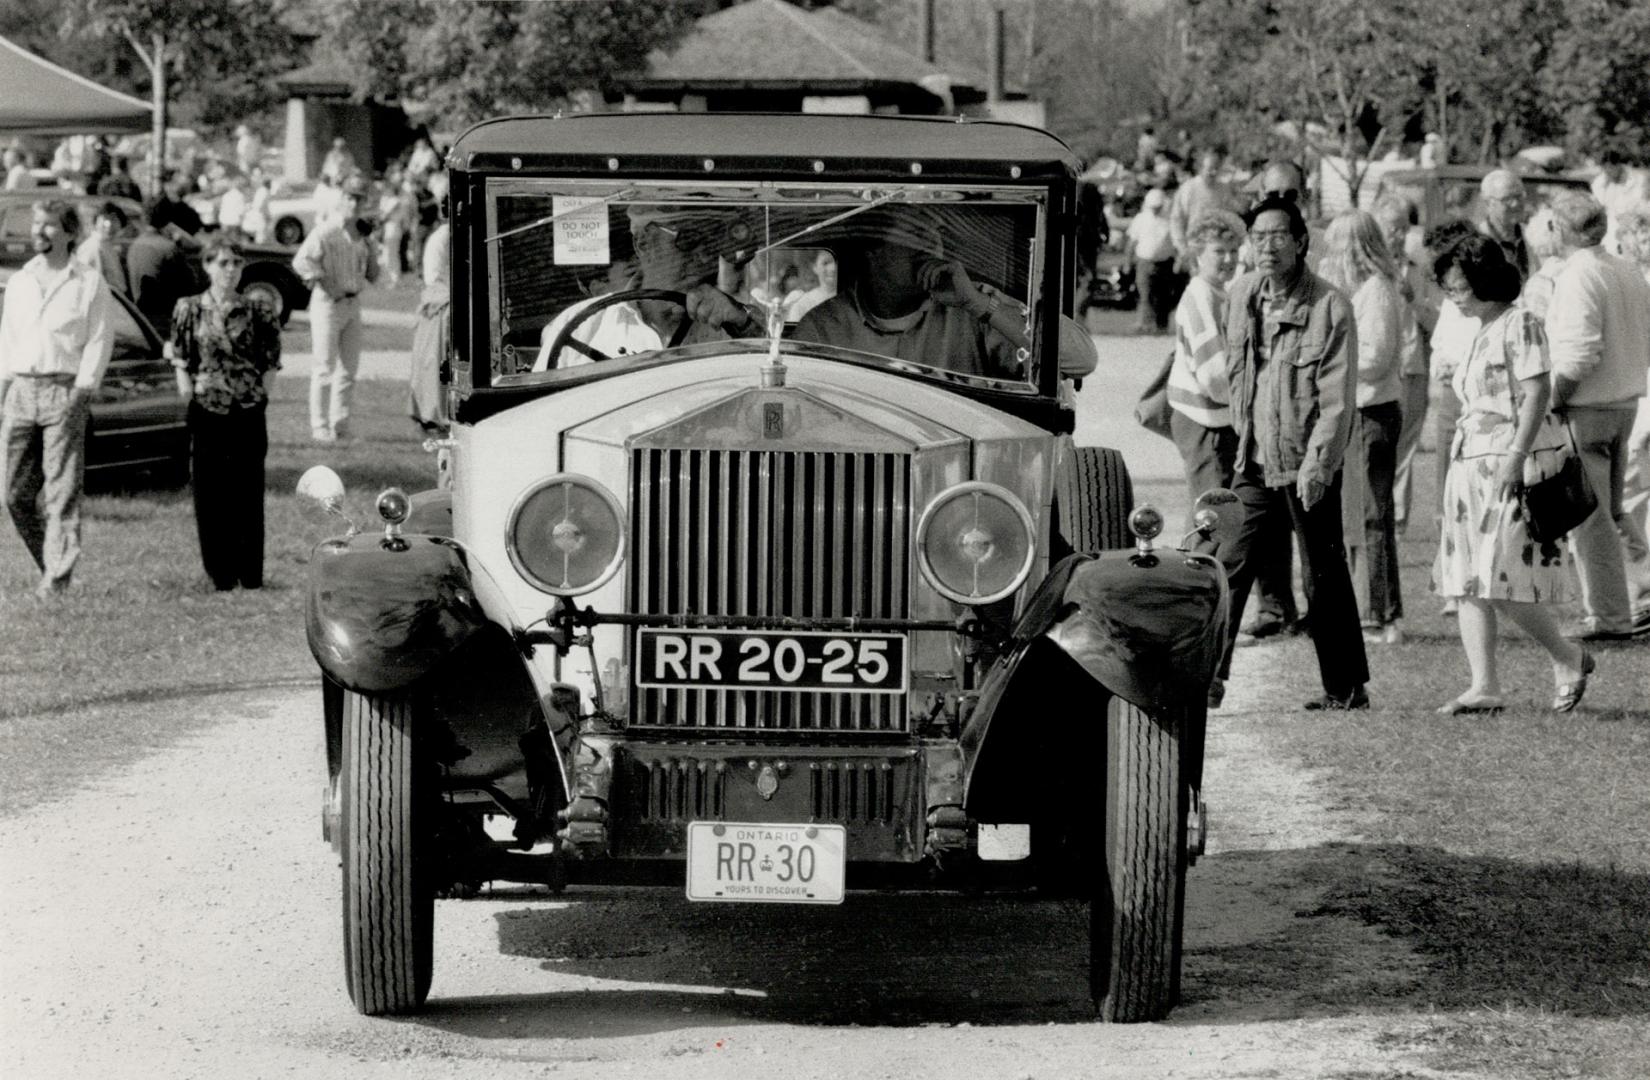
(1511, 348)
(226, 349)
(934, 334)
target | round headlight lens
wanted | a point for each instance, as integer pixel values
(567, 535)
(975, 543)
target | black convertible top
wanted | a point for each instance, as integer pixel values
(767, 145)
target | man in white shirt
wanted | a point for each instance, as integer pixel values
(1151, 242)
(1598, 334)
(337, 262)
(55, 343)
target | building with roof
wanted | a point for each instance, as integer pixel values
(321, 107)
(772, 56)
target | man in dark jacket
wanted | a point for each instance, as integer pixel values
(159, 272)
(1292, 358)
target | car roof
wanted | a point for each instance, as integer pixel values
(767, 144)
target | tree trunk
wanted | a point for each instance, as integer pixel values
(157, 142)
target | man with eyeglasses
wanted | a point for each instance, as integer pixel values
(1502, 194)
(1292, 367)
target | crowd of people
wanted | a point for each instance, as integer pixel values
(56, 328)
(1303, 384)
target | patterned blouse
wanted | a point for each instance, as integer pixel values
(1509, 349)
(226, 348)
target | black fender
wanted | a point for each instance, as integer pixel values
(381, 613)
(1149, 629)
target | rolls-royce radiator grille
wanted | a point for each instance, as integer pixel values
(754, 532)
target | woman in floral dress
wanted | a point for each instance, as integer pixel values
(1504, 439)
(226, 348)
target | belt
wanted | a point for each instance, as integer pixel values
(349, 296)
(49, 376)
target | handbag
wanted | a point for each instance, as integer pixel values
(1563, 498)
(1554, 506)
(1153, 410)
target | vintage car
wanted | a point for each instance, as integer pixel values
(764, 610)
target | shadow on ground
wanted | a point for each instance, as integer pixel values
(1330, 931)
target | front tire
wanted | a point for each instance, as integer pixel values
(1140, 892)
(388, 795)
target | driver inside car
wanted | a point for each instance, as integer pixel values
(908, 299)
(677, 248)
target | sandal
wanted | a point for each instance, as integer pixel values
(1568, 695)
(1463, 707)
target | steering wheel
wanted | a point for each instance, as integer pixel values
(564, 338)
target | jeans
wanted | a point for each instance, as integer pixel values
(335, 328)
(226, 456)
(1379, 428)
(1342, 663)
(43, 437)
(1610, 549)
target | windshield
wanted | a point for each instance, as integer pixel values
(582, 273)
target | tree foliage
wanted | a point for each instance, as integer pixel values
(1598, 74)
(462, 62)
(219, 56)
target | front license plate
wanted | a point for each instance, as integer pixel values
(766, 864)
(776, 660)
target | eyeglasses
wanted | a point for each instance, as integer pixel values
(227, 260)
(1456, 290)
(1271, 238)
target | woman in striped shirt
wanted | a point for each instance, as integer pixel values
(1201, 422)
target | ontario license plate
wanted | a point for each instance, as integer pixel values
(766, 864)
(777, 660)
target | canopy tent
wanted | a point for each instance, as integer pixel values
(39, 98)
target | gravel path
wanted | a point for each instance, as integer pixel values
(180, 920)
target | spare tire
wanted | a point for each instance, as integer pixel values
(1093, 498)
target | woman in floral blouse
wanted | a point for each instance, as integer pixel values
(226, 348)
(1504, 439)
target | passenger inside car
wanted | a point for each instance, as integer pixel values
(905, 297)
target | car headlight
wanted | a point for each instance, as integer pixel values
(566, 535)
(975, 543)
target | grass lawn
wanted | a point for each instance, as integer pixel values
(143, 624)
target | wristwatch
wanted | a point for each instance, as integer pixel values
(992, 303)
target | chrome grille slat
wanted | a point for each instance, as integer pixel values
(775, 533)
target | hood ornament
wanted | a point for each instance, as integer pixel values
(773, 372)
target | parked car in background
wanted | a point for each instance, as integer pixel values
(138, 421)
(268, 274)
(293, 210)
(1444, 192)
(768, 616)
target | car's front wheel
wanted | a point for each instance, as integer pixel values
(388, 798)
(1095, 495)
(1140, 889)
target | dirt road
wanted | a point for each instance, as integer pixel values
(180, 919)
